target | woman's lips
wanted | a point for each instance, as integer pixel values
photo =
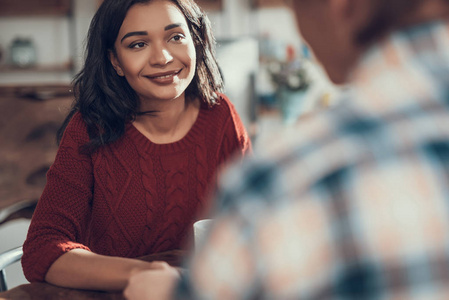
(164, 78)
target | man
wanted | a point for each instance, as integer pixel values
(355, 203)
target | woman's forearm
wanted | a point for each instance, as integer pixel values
(86, 270)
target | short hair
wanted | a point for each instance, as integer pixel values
(387, 15)
(106, 101)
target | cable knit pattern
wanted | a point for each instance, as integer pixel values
(132, 197)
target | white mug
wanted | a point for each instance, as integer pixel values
(200, 228)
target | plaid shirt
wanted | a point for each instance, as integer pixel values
(352, 203)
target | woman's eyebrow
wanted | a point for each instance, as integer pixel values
(133, 33)
(171, 26)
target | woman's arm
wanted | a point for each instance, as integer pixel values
(83, 269)
(235, 143)
(61, 218)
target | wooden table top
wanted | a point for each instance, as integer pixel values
(46, 291)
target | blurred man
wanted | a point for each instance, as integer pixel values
(354, 202)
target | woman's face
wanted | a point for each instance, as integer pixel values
(154, 51)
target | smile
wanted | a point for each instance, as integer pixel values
(166, 75)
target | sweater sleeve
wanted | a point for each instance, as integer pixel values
(60, 220)
(235, 143)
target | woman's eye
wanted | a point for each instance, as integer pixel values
(178, 37)
(137, 45)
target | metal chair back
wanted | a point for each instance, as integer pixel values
(7, 258)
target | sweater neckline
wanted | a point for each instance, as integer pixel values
(188, 139)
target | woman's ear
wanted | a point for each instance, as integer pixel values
(115, 63)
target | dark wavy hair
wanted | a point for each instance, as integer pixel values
(106, 101)
(387, 15)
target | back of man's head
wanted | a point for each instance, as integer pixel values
(390, 14)
(339, 31)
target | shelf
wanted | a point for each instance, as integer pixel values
(268, 3)
(67, 67)
(37, 91)
(14, 8)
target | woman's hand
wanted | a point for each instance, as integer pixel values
(157, 283)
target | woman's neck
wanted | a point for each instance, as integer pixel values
(169, 121)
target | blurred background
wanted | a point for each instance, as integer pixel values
(270, 76)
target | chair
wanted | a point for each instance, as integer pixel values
(15, 235)
(7, 258)
(22, 209)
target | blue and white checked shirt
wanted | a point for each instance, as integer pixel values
(353, 202)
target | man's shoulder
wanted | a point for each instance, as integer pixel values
(313, 149)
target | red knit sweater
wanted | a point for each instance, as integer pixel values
(132, 197)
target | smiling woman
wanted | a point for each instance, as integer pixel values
(155, 52)
(139, 150)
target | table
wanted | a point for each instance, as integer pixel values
(46, 291)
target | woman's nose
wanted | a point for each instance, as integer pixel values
(160, 56)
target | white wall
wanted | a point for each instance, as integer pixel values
(84, 11)
(234, 20)
(57, 39)
(50, 36)
(238, 19)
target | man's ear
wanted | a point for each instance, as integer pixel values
(115, 63)
(354, 13)
(351, 15)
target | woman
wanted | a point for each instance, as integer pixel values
(139, 149)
